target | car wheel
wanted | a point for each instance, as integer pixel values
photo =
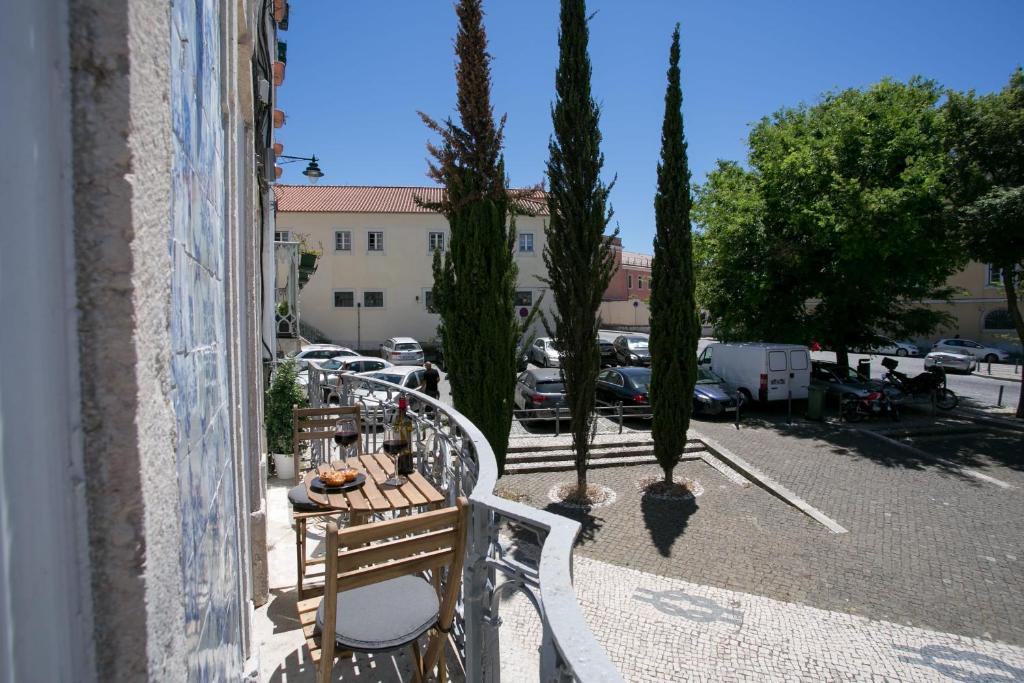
(991, 358)
(747, 398)
(901, 352)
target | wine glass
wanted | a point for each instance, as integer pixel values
(394, 444)
(346, 434)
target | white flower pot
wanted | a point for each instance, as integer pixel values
(285, 465)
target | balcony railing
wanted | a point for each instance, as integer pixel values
(286, 289)
(457, 459)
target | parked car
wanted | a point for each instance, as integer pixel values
(541, 391)
(890, 347)
(950, 362)
(373, 398)
(627, 385)
(607, 350)
(767, 372)
(712, 395)
(318, 353)
(967, 347)
(839, 381)
(402, 351)
(544, 354)
(632, 350)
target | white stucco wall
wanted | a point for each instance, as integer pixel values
(402, 271)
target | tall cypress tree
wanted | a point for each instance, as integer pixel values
(674, 324)
(474, 282)
(578, 257)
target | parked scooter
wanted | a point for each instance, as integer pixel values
(930, 385)
(875, 404)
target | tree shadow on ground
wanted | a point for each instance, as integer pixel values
(590, 524)
(666, 520)
(982, 445)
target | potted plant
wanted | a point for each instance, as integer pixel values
(284, 393)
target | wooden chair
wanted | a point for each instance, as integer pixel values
(375, 592)
(309, 424)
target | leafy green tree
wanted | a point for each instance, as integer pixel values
(578, 256)
(674, 325)
(849, 227)
(986, 138)
(474, 282)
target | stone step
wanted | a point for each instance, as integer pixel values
(566, 455)
(567, 465)
(691, 445)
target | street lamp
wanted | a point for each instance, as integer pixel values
(312, 171)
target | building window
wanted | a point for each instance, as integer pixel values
(629, 282)
(283, 236)
(342, 240)
(373, 299)
(344, 299)
(375, 240)
(993, 276)
(999, 319)
(435, 241)
(639, 281)
(428, 300)
(524, 297)
(526, 242)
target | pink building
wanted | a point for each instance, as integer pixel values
(632, 278)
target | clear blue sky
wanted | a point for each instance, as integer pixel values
(358, 72)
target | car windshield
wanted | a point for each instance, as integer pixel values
(636, 343)
(407, 347)
(330, 365)
(387, 377)
(705, 376)
(550, 387)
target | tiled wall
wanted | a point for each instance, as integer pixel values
(210, 554)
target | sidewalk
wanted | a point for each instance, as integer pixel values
(1003, 371)
(661, 629)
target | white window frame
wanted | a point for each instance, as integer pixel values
(336, 292)
(343, 233)
(993, 276)
(639, 281)
(382, 243)
(532, 249)
(383, 299)
(431, 248)
(524, 291)
(282, 235)
(427, 291)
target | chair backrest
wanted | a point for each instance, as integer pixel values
(372, 553)
(317, 424)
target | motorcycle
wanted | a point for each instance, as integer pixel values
(930, 385)
(874, 404)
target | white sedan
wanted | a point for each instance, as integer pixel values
(891, 347)
(950, 361)
(967, 347)
(373, 397)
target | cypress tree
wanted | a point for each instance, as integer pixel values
(474, 282)
(674, 324)
(578, 257)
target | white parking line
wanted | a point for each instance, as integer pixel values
(992, 480)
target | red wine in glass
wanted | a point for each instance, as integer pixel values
(346, 437)
(395, 446)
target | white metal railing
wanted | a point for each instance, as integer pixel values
(456, 457)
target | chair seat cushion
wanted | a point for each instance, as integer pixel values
(299, 498)
(384, 616)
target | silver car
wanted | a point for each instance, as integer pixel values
(955, 362)
(967, 347)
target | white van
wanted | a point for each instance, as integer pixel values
(763, 372)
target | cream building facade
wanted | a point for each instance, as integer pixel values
(978, 308)
(374, 275)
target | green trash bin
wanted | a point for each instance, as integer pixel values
(815, 402)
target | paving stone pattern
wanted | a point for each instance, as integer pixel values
(928, 545)
(660, 629)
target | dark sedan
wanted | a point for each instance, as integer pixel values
(632, 350)
(629, 386)
(712, 395)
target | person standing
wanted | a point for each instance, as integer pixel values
(431, 378)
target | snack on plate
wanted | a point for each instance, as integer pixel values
(338, 477)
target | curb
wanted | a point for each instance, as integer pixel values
(770, 485)
(994, 377)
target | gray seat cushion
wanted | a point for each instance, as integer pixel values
(299, 498)
(383, 616)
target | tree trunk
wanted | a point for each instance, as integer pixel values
(668, 475)
(1012, 305)
(581, 483)
(843, 356)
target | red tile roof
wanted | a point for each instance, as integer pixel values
(362, 199)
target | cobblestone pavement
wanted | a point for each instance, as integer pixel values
(929, 545)
(660, 629)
